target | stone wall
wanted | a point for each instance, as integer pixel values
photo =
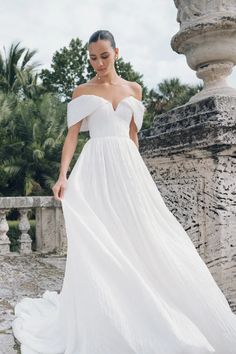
(191, 153)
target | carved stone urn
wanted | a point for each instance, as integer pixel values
(207, 37)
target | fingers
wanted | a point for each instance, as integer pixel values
(61, 192)
(56, 192)
(59, 189)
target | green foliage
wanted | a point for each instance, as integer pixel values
(33, 115)
(67, 69)
(31, 145)
(170, 93)
(16, 71)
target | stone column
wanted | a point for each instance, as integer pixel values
(191, 150)
(207, 39)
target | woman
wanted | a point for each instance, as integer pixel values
(134, 282)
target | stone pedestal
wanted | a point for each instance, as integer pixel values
(207, 38)
(50, 230)
(191, 153)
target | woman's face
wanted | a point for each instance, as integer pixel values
(102, 56)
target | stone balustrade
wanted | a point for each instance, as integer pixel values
(50, 234)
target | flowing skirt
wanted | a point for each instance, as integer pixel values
(134, 282)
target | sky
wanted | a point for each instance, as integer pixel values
(142, 31)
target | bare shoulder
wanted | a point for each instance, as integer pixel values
(85, 88)
(137, 89)
(79, 90)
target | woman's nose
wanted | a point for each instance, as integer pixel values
(100, 63)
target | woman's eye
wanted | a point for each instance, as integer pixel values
(102, 57)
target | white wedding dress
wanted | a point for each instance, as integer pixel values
(134, 282)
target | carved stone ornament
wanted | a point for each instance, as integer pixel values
(207, 37)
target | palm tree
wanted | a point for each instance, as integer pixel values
(173, 93)
(31, 144)
(15, 64)
(169, 94)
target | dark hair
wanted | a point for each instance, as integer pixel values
(102, 34)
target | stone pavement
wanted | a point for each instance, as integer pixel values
(21, 276)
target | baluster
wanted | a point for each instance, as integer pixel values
(24, 225)
(4, 227)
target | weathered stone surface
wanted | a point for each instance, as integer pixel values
(50, 230)
(209, 124)
(28, 202)
(191, 153)
(198, 11)
(50, 226)
(20, 276)
(207, 39)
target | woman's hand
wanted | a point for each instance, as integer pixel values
(59, 188)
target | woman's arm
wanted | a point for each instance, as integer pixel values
(69, 147)
(68, 150)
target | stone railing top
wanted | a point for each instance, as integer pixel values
(207, 127)
(29, 202)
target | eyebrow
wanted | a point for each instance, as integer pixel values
(101, 53)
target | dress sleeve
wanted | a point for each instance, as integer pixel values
(138, 109)
(79, 109)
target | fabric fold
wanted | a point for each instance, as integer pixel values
(79, 109)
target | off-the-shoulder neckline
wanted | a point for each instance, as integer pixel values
(103, 98)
